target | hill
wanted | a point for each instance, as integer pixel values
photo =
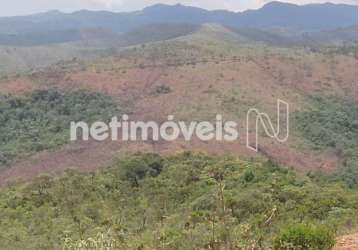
(192, 64)
(206, 70)
(31, 52)
(338, 37)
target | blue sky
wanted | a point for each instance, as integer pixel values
(24, 7)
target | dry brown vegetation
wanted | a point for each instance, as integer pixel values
(202, 84)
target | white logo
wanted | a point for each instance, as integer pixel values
(170, 130)
(266, 123)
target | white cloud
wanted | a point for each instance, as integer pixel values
(108, 4)
(105, 3)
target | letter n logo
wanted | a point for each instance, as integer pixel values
(254, 118)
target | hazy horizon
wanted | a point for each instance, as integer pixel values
(19, 8)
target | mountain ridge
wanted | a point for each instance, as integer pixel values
(302, 18)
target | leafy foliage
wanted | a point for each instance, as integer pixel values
(302, 237)
(333, 124)
(186, 201)
(41, 120)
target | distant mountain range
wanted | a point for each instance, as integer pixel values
(276, 22)
(312, 17)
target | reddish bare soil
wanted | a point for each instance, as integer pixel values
(89, 156)
(17, 86)
(197, 92)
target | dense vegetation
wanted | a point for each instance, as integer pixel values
(184, 201)
(333, 123)
(41, 120)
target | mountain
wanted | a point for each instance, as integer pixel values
(312, 17)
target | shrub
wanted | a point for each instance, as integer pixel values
(305, 237)
(249, 176)
(41, 119)
(332, 123)
(163, 89)
(140, 166)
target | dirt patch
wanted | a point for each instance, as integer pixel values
(347, 242)
(90, 156)
(17, 86)
(83, 157)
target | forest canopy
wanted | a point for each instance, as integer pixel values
(41, 119)
(185, 201)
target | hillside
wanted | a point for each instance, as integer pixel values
(185, 201)
(338, 37)
(209, 71)
(193, 64)
(26, 53)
